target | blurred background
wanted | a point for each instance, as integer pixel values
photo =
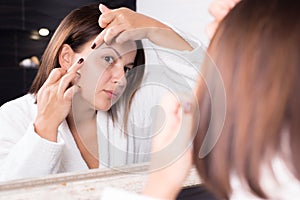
(26, 27)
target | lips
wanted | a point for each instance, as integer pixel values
(111, 93)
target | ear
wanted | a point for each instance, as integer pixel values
(66, 56)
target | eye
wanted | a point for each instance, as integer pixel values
(109, 59)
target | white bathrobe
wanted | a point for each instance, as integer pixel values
(23, 153)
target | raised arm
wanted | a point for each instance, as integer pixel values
(124, 24)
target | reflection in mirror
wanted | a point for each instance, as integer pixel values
(96, 112)
(39, 132)
(104, 79)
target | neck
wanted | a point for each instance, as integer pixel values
(81, 112)
(83, 125)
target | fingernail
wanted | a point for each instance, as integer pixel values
(80, 61)
(93, 46)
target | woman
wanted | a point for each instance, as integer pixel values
(54, 128)
(171, 66)
(256, 154)
(256, 49)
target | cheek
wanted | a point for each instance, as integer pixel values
(91, 78)
(93, 70)
(122, 88)
(102, 79)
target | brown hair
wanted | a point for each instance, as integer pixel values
(257, 52)
(77, 28)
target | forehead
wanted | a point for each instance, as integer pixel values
(123, 49)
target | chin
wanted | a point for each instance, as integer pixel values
(103, 107)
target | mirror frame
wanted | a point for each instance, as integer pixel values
(83, 185)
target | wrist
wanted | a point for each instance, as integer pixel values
(44, 130)
(157, 28)
(166, 37)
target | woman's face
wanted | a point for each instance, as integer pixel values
(103, 75)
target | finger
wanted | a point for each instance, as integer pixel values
(178, 121)
(76, 66)
(66, 81)
(219, 9)
(70, 76)
(99, 40)
(212, 7)
(55, 75)
(171, 107)
(112, 32)
(106, 18)
(170, 103)
(211, 29)
(103, 8)
(133, 34)
(232, 3)
(124, 36)
(70, 92)
(107, 35)
(177, 106)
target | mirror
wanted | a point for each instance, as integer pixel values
(117, 146)
(120, 146)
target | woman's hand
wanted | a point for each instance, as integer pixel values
(124, 24)
(219, 9)
(54, 100)
(171, 155)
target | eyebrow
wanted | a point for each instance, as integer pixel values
(118, 54)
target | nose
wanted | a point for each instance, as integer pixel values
(118, 75)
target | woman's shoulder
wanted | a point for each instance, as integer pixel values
(25, 100)
(19, 106)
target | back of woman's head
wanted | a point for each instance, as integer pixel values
(257, 52)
